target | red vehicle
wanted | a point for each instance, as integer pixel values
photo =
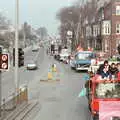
(102, 90)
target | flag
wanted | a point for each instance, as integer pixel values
(82, 93)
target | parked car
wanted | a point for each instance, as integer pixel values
(32, 65)
(5, 50)
(72, 60)
(64, 54)
(82, 60)
(66, 60)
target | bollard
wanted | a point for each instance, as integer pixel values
(20, 96)
(14, 100)
(54, 68)
(4, 108)
(26, 93)
(17, 97)
(50, 76)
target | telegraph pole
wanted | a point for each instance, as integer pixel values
(0, 91)
(79, 24)
(16, 45)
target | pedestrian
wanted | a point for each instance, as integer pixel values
(113, 70)
(118, 74)
(59, 49)
(104, 70)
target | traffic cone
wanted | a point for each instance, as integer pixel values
(54, 68)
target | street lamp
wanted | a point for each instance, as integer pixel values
(16, 45)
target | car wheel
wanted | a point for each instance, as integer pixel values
(72, 68)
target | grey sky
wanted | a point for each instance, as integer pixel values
(36, 12)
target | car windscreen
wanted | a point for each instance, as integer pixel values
(83, 56)
(107, 90)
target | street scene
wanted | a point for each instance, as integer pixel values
(60, 60)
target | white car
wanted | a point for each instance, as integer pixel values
(64, 54)
(5, 50)
(31, 65)
(35, 48)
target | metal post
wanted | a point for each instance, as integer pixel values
(0, 87)
(0, 92)
(16, 46)
(4, 113)
(24, 37)
(78, 28)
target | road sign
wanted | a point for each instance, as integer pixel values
(4, 65)
(4, 57)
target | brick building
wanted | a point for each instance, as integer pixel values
(104, 32)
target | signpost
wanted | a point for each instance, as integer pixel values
(3, 66)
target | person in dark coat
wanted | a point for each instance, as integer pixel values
(104, 69)
(113, 69)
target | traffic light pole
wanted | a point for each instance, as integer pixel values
(0, 92)
(16, 46)
(0, 87)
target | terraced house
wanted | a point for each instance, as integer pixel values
(103, 32)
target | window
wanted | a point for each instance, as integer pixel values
(117, 10)
(118, 28)
(107, 28)
(107, 90)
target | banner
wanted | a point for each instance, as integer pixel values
(109, 110)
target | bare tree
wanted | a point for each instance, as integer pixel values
(42, 31)
(69, 17)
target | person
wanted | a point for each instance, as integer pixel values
(118, 74)
(113, 70)
(104, 70)
(59, 49)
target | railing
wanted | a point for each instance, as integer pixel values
(14, 100)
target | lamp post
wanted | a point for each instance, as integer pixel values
(16, 45)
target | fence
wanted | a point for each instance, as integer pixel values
(13, 101)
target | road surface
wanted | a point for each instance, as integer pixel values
(58, 100)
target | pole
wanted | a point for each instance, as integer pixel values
(24, 37)
(79, 24)
(0, 86)
(111, 29)
(16, 46)
(0, 92)
(78, 28)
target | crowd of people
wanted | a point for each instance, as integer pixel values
(109, 71)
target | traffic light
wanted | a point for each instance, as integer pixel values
(20, 57)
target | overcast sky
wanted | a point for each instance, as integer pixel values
(36, 12)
